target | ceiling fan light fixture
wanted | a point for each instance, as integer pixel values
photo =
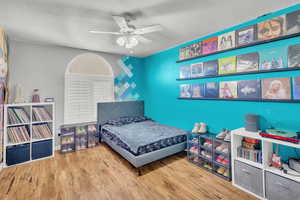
(127, 41)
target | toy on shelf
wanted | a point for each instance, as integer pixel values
(285, 135)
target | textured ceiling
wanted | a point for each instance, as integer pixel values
(66, 22)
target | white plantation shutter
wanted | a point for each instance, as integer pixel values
(82, 92)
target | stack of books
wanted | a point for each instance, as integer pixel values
(17, 116)
(40, 114)
(18, 134)
(41, 131)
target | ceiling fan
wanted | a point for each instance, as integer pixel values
(129, 35)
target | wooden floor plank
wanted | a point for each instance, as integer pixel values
(100, 173)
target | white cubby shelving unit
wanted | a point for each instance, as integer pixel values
(32, 142)
(251, 176)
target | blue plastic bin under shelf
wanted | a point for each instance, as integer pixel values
(17, 154)
(42, 149)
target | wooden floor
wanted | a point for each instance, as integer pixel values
(101, 174)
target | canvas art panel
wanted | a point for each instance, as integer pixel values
(276, 88)
(271, 28)
(197, 70)
(273, 58)
(228, 90)
(210, 45)
(294, 55)
(211, 90)
(227, 65)
(185, 91)
(246, 35)
(197, 90)
(296, 88)
(226, 41)
(247, 62)
(211, 68)
(293, 22)
(249, 89)
(185, 72)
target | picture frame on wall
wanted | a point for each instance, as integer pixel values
(276, 88)
(293, 22)
(247, 62)
(211, 90)
(249, 89)
(197, 70)
(185, 91)
(228, 90)
(182, 53)
(271, 28)
(296, 88)
(185, 72)
(273, 58)
(226, 41)
(209, 45)
(246, 35)
(294, 55)
(210, 68)
(197, 90)
(227, 65)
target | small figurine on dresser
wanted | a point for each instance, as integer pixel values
(36, 96)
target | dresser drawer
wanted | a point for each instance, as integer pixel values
(280, 188)
(248, 177)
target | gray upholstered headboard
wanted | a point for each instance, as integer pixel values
(113, 110)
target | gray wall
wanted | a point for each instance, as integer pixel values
(43, 67)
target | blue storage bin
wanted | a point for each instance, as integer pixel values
(17, 154)
(41, 149)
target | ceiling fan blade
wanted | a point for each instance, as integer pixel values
(147, 29)
(121, 21)
(104, 32)
(142, 39)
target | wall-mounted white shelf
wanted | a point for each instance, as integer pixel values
(29, 107)
(267, 150)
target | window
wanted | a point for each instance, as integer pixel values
(88, 80)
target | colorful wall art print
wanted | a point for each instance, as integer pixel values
(276, 88)
(294, 55)
(228, 89)
(246, 35)
(211, 68)
(197, 70)
(249, 89)
(197, 90)
(185, 91)
(185, 72)
(273, 58)
(296, 88)
(293, 22)
(227, 65)
(247, 62)
(210, 45)
(226, 41)
(271, 28)
(211, 90)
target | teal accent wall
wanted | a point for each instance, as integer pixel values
(160, 90)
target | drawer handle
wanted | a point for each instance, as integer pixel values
(246, 171)
(281, 185)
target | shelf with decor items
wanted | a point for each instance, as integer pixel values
(201, 151)
(259, 178)
(29, 132)
(237, 99)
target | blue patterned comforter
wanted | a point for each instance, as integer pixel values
(143, 137)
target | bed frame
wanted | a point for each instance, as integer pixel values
(113, 110)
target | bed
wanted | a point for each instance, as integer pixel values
(135, 137)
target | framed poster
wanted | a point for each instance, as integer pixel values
(211, 68)
(197, 90)
(228, 90)
(211, 90)
(276, 88)
(294, 55)
(293, 22)
(226, 41)
(249, 89)
(271, 28)
(210, 45)
(185, 72)
(227, 65)
(197, 70)
(296, 88)
(247, 62)
(185, 91)
(246, 35)
(273, 58)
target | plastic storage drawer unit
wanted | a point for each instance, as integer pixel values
(17, 154)
(41, 149)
